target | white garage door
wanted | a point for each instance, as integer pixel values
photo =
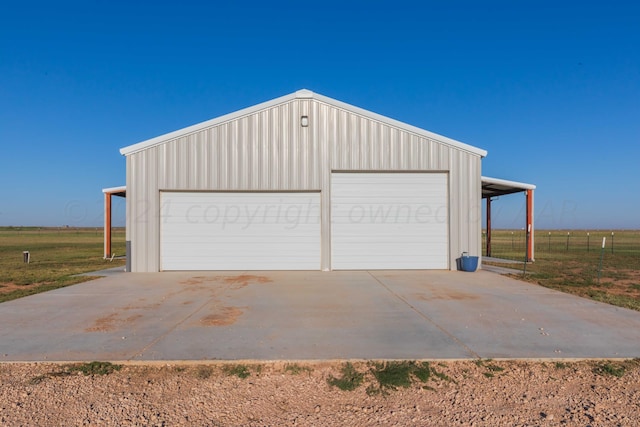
(389, 221)
(240, 231)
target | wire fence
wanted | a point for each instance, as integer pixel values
(511, 243)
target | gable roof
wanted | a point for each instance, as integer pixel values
(301, 94)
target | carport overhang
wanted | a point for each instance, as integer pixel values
(108, 194)
(494, 187)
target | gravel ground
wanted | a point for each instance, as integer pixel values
(480, 393)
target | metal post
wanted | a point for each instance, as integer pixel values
(612, 242)
(588, 242)
(604, 239)
(488, 226)
(107, 225)
(526, 254)
(568, 232)
(549, 241)
(529, 248)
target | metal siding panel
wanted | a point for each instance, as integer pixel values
(138, 210)
(465, 196)
(139, 214)
(130, 192)
(374, 144)
(205, 174)
(389, 148)
(148, 251)
(326, 136)
(153, 260)
(454, 212)
(268, 150)
(475, 188)
(256, 151)
(353, 142)
(285, 136)
(365, 144)
(274, 148)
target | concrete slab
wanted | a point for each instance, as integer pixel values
(312, 315)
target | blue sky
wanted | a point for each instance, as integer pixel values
(550, 89)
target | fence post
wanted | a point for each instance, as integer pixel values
(526, 246)
(612, 242)
(588, 242)
(568, 233)
(549, 242)
(604, 239)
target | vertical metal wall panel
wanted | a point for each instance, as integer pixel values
(364, 144)
(127, 201)
(326, 133)
(269, 150)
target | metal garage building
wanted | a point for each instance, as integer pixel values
(302, 182)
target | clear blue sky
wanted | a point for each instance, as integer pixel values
(550, 88)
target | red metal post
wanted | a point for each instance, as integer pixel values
(107, 225)
(530, 243)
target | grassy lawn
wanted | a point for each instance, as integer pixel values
(569, 261)
(56, 256)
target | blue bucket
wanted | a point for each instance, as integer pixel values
(469, 263)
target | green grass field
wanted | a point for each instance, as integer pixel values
(56, 256)
(569, 261)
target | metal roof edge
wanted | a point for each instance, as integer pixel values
(300, 94)
(120, 189)
(396, 123)
(125, 151)
(514, 184)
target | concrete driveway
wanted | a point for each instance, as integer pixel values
(312, 315)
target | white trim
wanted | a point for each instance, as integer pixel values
(507, 183)
(401, 125)
(121, 189)
(203, 125)
(300, 94)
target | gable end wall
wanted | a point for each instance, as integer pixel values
(269, 150)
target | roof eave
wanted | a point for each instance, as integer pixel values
(131, 149)
(396, 123)
(119, 189)
(507, 183)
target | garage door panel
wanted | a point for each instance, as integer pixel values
(247, 231)
(389, 220)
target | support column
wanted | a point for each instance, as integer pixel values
(107, 225)
(488, 226)
(530, 246)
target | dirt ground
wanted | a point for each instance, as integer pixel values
(6, 288)
(466, 393)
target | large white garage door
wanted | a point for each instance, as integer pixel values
(239, 231)
(389, 221)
